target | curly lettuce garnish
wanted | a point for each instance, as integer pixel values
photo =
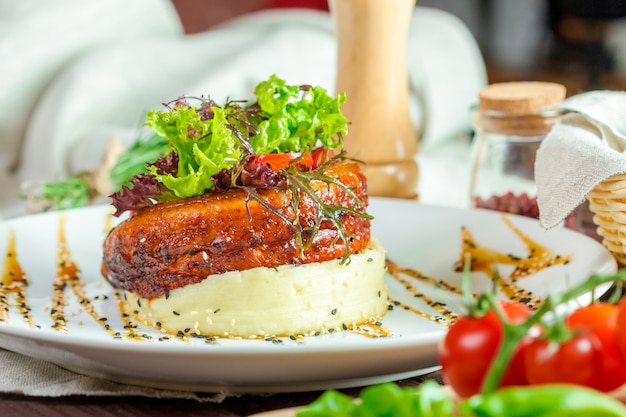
(298, 118)
(216, 143)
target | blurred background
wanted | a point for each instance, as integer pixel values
(579, 43)
(69, 94)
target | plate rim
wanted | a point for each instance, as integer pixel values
(424, 340)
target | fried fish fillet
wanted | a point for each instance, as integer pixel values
(171, 245)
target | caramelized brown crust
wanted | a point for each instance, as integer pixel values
(174, 244)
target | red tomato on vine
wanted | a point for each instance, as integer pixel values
(575, 360)
(601, 319)
(472, 343)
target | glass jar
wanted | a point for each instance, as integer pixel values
(511, 121)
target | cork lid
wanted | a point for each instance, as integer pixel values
(523, 97)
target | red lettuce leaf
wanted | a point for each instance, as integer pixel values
(145, 190)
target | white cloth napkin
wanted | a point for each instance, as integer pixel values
(38, 39)
(29, 376)
(585, 147)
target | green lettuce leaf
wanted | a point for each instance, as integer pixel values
(215, 138)
(204, 147)
(298, 118)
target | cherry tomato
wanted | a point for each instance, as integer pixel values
(472, 343)
(278, 161)
(574, 360)
(320, 155)
(601, 319)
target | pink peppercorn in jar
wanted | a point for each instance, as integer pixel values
(511, 121)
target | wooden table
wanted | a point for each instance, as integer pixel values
(23, 406)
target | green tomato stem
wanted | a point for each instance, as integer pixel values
(512, 335)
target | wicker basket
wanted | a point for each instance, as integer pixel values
(607, 202)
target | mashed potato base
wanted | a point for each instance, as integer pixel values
(284, 301)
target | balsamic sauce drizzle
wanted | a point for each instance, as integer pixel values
(68, 275)
(13, 283)
(445, 316)
(486, 260)
(482, 259)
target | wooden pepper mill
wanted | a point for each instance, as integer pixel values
(372, 39)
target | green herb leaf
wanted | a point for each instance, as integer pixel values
(78, 190)
(385, 400)
(547, 400)
(331, 404)
(133, 161)
(58, 195)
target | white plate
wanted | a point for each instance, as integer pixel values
(425, 238)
